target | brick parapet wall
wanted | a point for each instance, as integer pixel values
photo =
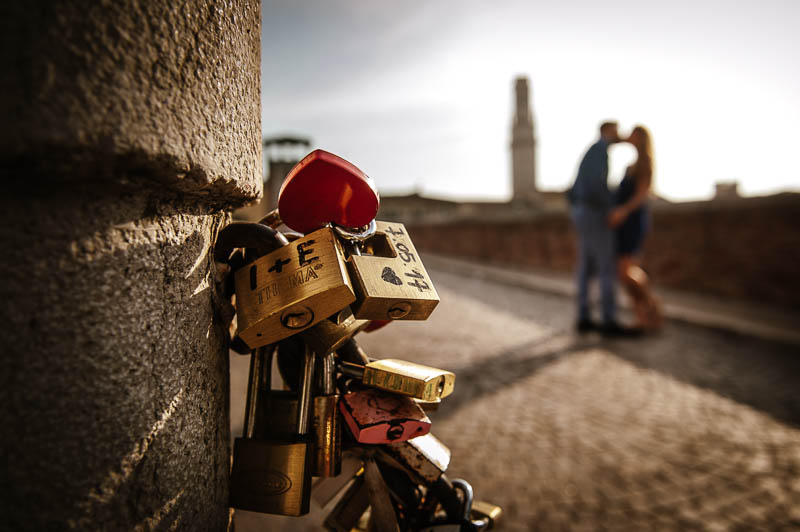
(747, 249)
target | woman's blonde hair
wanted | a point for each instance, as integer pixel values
(644, 163)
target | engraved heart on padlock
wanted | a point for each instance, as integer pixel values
(389, 276)
(324, 188)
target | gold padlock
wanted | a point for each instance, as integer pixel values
(292, 289)
(487, 512)
(403, 377)
(273, 475)
(280, 420)
(388, 277)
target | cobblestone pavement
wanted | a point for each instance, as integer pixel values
(692, 429)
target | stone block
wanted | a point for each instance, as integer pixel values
(134, 91)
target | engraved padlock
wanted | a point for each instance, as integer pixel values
(292, 288)
(376, 417)
(235, 242)
(388, 276)
(425, 459)
(400, 376)
(273, 475)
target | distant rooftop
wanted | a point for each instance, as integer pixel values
(286, 140)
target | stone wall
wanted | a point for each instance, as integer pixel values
(746, 249)
(130, 128)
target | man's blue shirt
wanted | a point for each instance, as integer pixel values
(591, 185)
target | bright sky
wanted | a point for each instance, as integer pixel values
(419, 94)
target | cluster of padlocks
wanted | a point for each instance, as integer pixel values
(357, 424)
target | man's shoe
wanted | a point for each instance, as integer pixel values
(613, 329)
(585, 325)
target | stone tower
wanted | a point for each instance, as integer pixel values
(523, 155)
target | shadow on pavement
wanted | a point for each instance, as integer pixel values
(754, 372)
(507, 367)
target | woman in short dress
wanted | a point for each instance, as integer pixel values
(631, 218)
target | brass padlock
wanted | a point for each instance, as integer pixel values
(490, 513)
(235, 242)
(388, 276)
(424, 458)
(325, 423)
(273, 475)
(292, 288)
(400, 376)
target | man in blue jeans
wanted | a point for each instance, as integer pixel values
(591, 202)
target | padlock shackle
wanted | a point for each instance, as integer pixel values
(352, 370)
(261, 238)
(328, 377)
(352, 352)
(271, 219)
(306, 383)
(446, 494)
(466, 488)
(260, 357)
(356, 234)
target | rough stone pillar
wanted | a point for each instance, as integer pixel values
(129, 129)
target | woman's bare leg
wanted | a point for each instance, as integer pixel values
(637, 284)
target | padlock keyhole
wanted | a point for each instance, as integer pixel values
(378, 245)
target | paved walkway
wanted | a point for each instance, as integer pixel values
(746, 318)
(696, 428)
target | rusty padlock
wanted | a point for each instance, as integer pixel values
(375, 416)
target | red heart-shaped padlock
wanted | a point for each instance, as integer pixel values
(324, 188)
